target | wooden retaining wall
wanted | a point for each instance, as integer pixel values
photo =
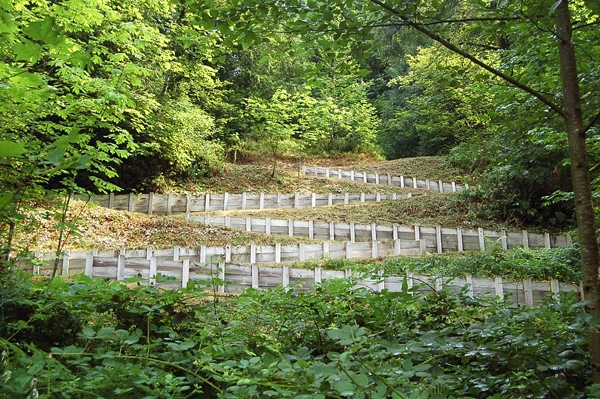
(177, 267)
(168, 204)
(385, 179)
(438, 239)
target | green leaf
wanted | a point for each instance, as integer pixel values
(28, 51)
(5, 199)
(105, 332)
(362, 380)
(57, 155)
(45, 31)
(88, 332)
(11, 149)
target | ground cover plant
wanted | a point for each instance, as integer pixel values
(119, 339)
(563, 264)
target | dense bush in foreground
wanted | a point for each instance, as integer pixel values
(100, 339)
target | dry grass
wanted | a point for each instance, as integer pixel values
(108, 229)
(431, 209)
(102, 228)
(257, 177)
(433, 168)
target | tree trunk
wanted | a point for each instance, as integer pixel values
(582, 189)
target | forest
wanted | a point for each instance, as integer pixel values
(160, 96)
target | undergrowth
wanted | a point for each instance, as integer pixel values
(127, 340)
(563, 264)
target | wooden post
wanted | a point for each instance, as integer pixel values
(504, 239)
(352, 232)
(175, 253)
(202, 256)
(481, 239)
(374, 250)
(346, 199)
(228, 221)
(277, 253)
(340, 173)
(268, 226)
(376, 178)
(278, 200)
(150, 203)
(248, 224)
(227, 253)
(381, 283)
(498, 287)
(221, 267)
(65, 263)
(327, 172)
(528, 291)
(244, 200)
(389, 180)
(121, 265)
(254, 276)
(313, 200)
(111, 200)
(329, 199)
(311, 230)
(130, 202)
(89, 264)
(285, 272)
(397, 247)
(188, 204)
(304, 169)
(152, 272)
(373, 232)
(547, 241)
(291, 227)
(352, 175)
(394, 231)
(253, 253)
(207, 202)
(525, 239)
(325, 248)
(414, 179)
(349, 250)
(261, 201)
(438, 239)
(459, 239)
(225, 200)
(185, 273)
(453, 186)
(331, 231)
(402, 181)
(378, 197)
(417, 232)
(554, 288)
(409, 280)
(394, 196)
(427, 184)
(169, 203)
(471, 289)
(301, 252)
(441, 183)
(296, 200)
(362, 197)
(318, 275)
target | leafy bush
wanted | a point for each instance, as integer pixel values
(331, 342)
(563, 264)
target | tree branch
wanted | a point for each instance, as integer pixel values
(590, 125)
(556, 108)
